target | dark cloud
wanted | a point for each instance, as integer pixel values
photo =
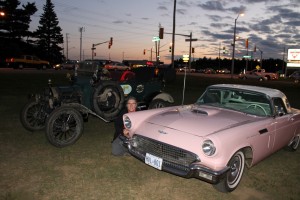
(162, 8)
(217, 25)
(118, 22)
(212, 5)
(193, 23)
(121, 22)
(181, 11)
(183, 3)
(215, 18)
(237, 10)
(260, 1)
(209, 35)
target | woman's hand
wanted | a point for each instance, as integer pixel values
(126, 132)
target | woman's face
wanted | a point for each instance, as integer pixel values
(131, 105)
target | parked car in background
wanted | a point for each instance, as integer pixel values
(223, 71)
(24, 61)
(228, 128)
(57, 66)
(69, 64)
(259, 74)
(183, 69)
(200, 70)
(116, 66)
(209, 71)
(252, 75)
(295, 76)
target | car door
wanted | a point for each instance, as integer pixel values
(285, 125)
(263, 141)
(252, 75)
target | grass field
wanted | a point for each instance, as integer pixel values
(31, 168)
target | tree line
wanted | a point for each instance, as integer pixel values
(16, 38)
(270, 65)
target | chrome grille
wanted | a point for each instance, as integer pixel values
(172, 156)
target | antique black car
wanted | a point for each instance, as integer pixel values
(93, 90)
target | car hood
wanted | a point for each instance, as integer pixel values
(200, 120)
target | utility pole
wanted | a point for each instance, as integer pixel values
(190, 52)
(190, 49)
(247, 45)
(173, 34)
(261, 53)
(80, 30)
(67, 43)
(219, 55)
(156, 52)
(283, 70)
(158, 48)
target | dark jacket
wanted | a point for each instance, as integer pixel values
(118, 123)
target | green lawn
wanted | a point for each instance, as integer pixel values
(31, 168)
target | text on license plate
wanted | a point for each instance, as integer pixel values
(153, 161)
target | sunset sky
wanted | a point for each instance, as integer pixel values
(271, 26)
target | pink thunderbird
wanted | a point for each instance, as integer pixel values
(229, 126)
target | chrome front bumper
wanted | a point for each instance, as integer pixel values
(193, 171)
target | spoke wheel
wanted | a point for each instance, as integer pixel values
(158, 103)
(33, 116)
(64, 127)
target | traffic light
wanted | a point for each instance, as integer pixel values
(170, 48)
(144, 51)
(110, 42)
(193, 50)
(246, 43)
(161, 33)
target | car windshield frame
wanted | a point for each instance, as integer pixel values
(245, 101)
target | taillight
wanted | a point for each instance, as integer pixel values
(9, 59)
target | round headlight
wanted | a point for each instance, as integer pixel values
(208, 148)
(127, 122)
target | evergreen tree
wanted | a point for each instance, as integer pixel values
(49, 35)
(15, 23)
(14, 27)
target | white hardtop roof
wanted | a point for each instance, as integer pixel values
(268, 91)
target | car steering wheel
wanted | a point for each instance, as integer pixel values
(257, 106)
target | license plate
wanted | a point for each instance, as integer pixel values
(153, 161)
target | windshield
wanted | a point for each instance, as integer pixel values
(249, 102)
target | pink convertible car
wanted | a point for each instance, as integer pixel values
(229, 126)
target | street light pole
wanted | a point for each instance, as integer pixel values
(233, 45)
(261, 53)
(173, 34)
